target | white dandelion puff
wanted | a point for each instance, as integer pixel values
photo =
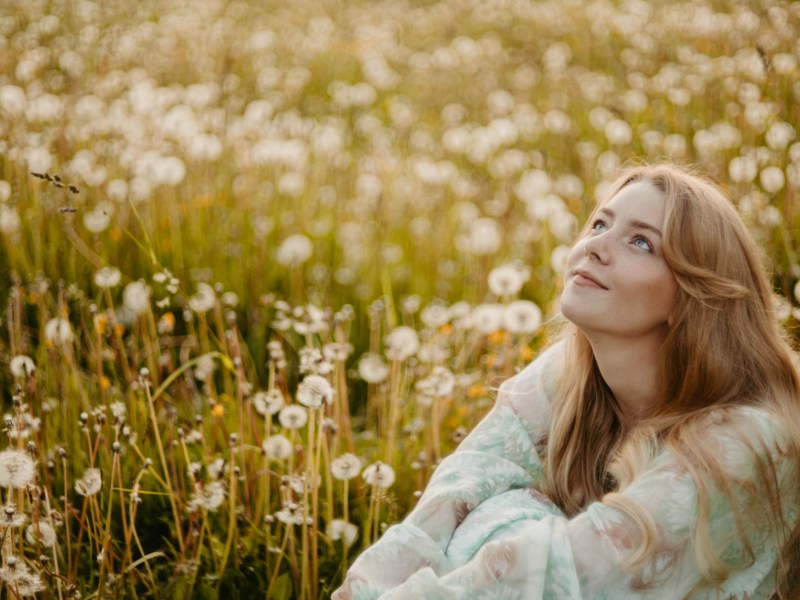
(506, 280)
(136, 297)
(204, 300)
(107, 277)
(17, 469)
(401, 343)
(346, 467)
(379, 475)
(372, 368)
(58, 332)
(210, 497)
(277, 447)
(339, 529)
(91, 482)
(314, 391)
(269, 402)
(294, 250)
(22, 366)
(522, 316)
(41, 533)
(293, 417)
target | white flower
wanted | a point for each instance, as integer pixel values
(314, 391)
(402, 343)
(435, 315)
(269, 402)
(107, 277)
(372, 368)
(618, 132)
(743, 169)
(136, 297)
(338, 529)
(779, 135)
(293, 417)
(772, 179)
(18, 576)
(58, 332)
(379, 475)
(40, 532)
(90, 483)
(294, 250)
(96, 221)
(277, 447)
(506, 280)
(204, 300)
(9, 220)
(10, 517)
(22, 366)
(487, 318)
(522, 316)
(483, 237)
(17, 469)
(291, 514)
(346, 466)
(439, 384)
(210, 497)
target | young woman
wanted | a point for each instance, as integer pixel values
(652, 453)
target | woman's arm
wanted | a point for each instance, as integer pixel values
(545, 555)
(500, 454)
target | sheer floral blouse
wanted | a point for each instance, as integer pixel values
(482, 530)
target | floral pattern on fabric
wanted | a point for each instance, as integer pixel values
(481, 529)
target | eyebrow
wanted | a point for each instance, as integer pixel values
(633, 223)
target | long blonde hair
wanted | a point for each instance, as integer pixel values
(724, 348)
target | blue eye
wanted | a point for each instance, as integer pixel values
(642, 243)
(599, 226)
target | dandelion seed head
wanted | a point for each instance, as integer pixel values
(10, 221)
(372, 368)
(401, 343)
(17, 469)
(277, 447)
(58, 332)
(91, 482)
(294, 250)
(107, 277)
(210, 497)
(136, 297)
(522, 316)
(204, 299)
(315, 391)
(506, 280)
(22, 366)
(269, 402)
(293, 417)
(379, 475)
(339, 529)
(41, 533)
(347, 466)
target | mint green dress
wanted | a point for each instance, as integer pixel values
(481, 530)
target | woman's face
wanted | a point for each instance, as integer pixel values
(617, 281)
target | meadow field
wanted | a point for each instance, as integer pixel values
(262, 264)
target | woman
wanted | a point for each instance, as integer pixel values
(651, 453)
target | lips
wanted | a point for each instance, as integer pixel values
(586, 279)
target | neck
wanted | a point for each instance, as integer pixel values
(630, 370)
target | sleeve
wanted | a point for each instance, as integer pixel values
(517, 545)
(499, 455)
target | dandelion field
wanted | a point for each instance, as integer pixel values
(263, 264)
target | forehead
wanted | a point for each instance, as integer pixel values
(640, 199)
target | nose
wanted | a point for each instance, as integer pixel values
(595, 248)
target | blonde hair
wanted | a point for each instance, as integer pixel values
(724, 348)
